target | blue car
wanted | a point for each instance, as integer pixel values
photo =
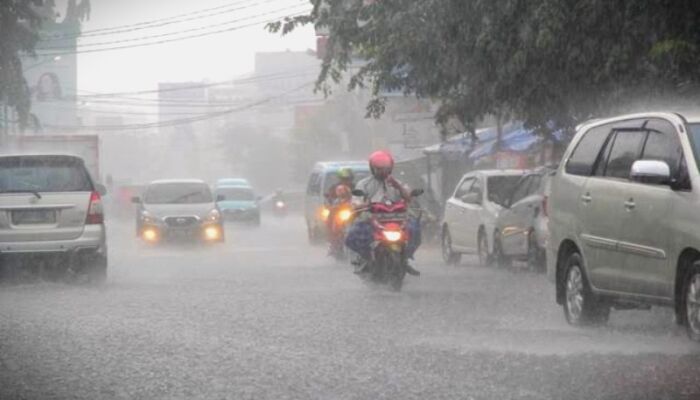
(238, 203)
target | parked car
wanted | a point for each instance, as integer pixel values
(178, 210)
(624, 219)
(322, 178)
(469, 223)
(521, 226)
(238, 203)
(51, 217)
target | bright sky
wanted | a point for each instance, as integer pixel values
(214, 57)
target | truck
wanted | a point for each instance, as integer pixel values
(86, 147)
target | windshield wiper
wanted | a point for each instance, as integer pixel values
(34, 192)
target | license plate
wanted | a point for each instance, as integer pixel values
(33, 217)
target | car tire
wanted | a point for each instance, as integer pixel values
(485, 258)
(449, 256)
(691, 302)
(501, 260)
(581, 307)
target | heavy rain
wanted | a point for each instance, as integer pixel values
(349, 199)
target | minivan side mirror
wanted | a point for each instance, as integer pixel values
(136, 200)
(101, 189)
(651, 171)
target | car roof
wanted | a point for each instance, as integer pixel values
(336, 165)
(690, 117)
(234, 187)
(164, 181)
(40, 155)
(232, 180)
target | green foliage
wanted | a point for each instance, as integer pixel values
(19, 22)
(551, 63)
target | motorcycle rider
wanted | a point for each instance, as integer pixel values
(345, 178)
(345, 184)
(378, 187)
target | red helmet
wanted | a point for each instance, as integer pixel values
(381, 163)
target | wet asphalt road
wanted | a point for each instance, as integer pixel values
(265, 316)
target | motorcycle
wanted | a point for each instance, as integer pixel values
(279, 207)
(389, 220)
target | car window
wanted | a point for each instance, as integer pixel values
(663, 144)
(236, 193)
(587, 150)
(314, 186)
(501, 188)
(331, 178)
(43, 174)
(625, 150)
(535, 185)
(521, 190)
(463, 188)
(178, 193)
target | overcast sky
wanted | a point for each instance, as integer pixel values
(214, 57)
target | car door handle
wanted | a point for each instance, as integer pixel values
(629, 205)
(586, 198)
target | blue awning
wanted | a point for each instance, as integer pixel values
(519, 139)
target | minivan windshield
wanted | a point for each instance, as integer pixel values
(332, 178)
(236, 194)
(43, 174)
(501, 187)
(178, 193)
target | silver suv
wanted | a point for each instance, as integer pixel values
(624, 219)
(51, 217)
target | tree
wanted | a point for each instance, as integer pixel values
(551, 63)
(19, 22)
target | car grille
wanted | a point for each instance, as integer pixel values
(181, 222)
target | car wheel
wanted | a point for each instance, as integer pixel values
(448, 254)
(691, 301)
(502, 261)
(485, 259)
(535, 255)
(581, 308)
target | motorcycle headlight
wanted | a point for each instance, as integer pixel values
(279, 204)
(214, 216)
(392, 236)
(325, 213)
(344, 215)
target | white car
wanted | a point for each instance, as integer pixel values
(469, 223)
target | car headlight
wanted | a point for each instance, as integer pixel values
(214, 216)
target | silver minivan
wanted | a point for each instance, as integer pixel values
(51, 217)
(624, 218)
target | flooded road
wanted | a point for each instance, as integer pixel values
(266, 316)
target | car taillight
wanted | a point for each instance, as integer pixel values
(545, 204)
(95, 213)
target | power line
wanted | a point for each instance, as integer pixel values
(171, 40)
(151, 22)
(162, 35)
(253, 79)
(180, 121)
